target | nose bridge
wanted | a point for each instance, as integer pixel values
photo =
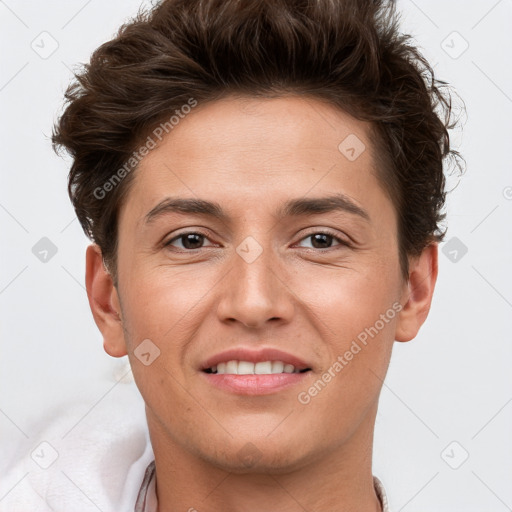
(254, 291)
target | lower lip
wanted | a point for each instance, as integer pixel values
(255, 384)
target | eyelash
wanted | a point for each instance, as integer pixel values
(341, 242)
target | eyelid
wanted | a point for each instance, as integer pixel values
(325, 231)
(177, 236)
(342, 236)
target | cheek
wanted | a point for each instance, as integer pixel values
(357, 320)
(160, 303)
(355, 313)
(160, 308)
(163, 309)
(349, 300)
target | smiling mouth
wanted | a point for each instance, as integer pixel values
(249, 368)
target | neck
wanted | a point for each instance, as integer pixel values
(340, 480)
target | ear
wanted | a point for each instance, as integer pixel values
(417, 293)
(104, 302)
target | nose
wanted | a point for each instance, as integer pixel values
(255, 292)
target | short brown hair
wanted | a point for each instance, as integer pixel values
(349, 53)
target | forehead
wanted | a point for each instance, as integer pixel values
(260, 150)
(267, 129)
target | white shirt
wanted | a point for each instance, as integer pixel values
(78, 457)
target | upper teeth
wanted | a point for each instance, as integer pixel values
(248, 368)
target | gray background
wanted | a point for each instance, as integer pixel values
(448, 393)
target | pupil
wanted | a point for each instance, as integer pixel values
(323, 240)
(191, 240)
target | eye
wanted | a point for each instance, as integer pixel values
(323, 240)
(188, 241)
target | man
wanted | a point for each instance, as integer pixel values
(263, 182)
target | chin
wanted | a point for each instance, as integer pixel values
(257, 457)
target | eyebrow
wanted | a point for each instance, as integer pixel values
(292, 208)
(335, 202)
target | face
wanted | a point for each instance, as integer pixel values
(250, 235)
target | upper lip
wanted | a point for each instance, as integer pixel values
(254, 356)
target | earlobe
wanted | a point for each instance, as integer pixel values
(104, 302)
(418, 292)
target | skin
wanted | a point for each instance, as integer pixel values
(251, 156)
